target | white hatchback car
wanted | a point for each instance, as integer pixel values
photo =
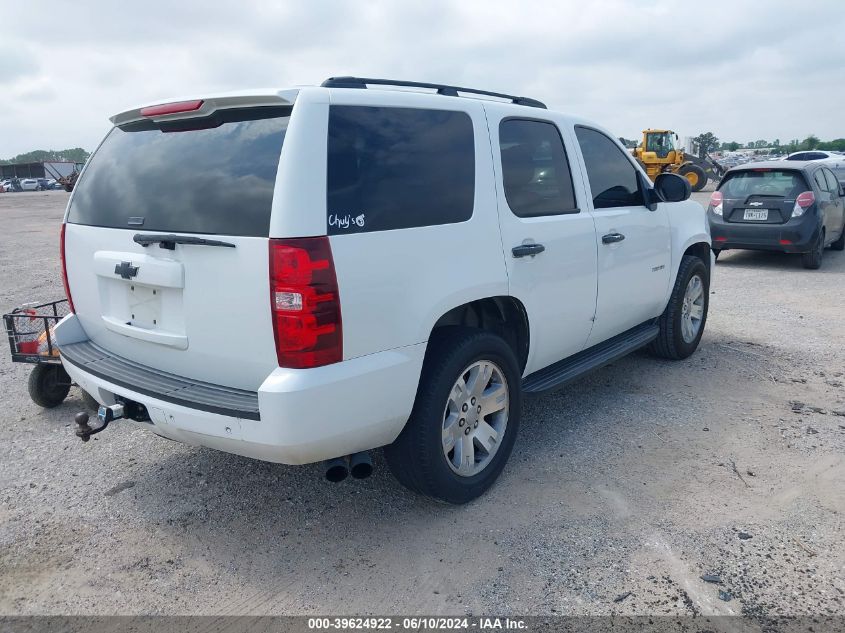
(310, 274)
(835, 161)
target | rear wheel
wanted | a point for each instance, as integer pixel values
(813, 259)
(717, 252)
(465, 417)
(682, 322)
(695, 175)
(839, 245)
(48, 385)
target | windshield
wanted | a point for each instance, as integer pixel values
(780, 183)
(660, 142)
(213, 175)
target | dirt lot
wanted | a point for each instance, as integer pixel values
(623, 489)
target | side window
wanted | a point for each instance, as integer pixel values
(535, 169)
(396, 168)
(832, 183)
(613, 178)
(820, 181)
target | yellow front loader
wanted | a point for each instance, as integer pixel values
(660, 152)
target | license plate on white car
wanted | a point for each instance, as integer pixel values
(756, 214)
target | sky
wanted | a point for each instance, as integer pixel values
(742, 69)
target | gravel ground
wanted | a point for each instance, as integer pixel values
(623, 489)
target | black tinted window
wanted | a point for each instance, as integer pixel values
(535, 169)
(394, 168)
(212, 175)
(807, 156)
(613, 179)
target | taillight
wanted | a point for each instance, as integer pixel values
(64, 269)
(305, 302)
(172, 108)
(716, 202)
(803, 202)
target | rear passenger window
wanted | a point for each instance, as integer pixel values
(832, 183)
(613, 178)
(396, 168)
(535, 169)
(820, 181)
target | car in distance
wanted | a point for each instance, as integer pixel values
(29, 184)
(786, 206)
(835, 161)
(402, 268)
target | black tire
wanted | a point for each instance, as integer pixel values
(700, 175)
(48, 385)
(417, 457)
(89, 401)
(839, 245)
(717, 252)
(812, 260)
(670, 341)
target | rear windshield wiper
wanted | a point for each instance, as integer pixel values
(170, 241)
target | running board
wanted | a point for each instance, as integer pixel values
(576, 366)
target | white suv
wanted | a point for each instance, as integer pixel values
(309, 274)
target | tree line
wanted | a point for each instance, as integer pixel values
(74, 155)
(708, 143)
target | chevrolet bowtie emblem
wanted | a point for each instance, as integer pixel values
(126, 270)
(755, 204)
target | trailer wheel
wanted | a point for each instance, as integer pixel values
(48, 385)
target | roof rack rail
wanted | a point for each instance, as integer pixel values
(449, 91)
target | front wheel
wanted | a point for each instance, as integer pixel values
(682, 322)
(465, 417)
(695, 175)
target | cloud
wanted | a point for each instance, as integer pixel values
(740, 69)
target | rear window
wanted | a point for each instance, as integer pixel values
(395, 168)
(213, 175)
(779, 183)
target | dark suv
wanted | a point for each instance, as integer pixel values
(795, 207)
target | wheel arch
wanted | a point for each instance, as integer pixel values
(698, 244)
(702, 251)
(503, 315)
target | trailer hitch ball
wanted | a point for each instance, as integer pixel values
(105, 415)
(84, 431)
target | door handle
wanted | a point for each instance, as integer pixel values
(527, 249)
(612, 238)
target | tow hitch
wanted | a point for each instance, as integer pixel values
(104, 415)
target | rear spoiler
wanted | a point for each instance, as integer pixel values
(198, 107)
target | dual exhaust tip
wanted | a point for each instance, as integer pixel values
(359, 465)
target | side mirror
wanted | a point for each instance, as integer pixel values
(672, 188)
